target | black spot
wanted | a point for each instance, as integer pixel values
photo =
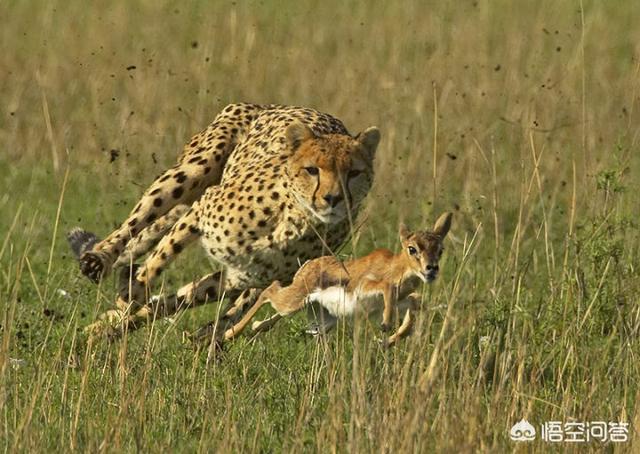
(275, 195)
(177, 248)
(177, 192)
(132, 222)
(152, 217)
(180, 177)
(157, 202)
(155, 191)
(262, 223)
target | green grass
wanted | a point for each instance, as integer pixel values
(521, 117)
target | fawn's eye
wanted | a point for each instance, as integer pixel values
(313, 171)
(412, 250)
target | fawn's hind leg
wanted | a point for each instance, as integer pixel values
(263, 299)
(260, 326)
(285, 300)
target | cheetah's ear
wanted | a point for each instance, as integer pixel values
(369, 138)
(443, 224)
(404, 232)
(297, 133)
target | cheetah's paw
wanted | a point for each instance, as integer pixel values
(95, 265)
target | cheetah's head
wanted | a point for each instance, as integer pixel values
(331, 174)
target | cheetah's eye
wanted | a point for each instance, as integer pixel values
(313, 171)
(353, 173)
(412, 250)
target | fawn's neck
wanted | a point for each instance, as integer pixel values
(398, 269)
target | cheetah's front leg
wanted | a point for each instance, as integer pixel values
(200, 166)
(183, 233)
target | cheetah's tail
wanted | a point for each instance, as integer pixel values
(81, 241)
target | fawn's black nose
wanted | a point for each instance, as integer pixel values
(433, 267)
(332, 200)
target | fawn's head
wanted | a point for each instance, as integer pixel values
(422, 249)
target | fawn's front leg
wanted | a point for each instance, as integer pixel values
(409, 303)
(402, 331)
(387, 312)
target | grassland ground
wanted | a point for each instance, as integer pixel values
(521, 117)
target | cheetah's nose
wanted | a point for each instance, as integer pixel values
(332, 200)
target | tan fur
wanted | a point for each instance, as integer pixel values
(381, 275)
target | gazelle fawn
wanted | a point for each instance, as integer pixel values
(344, 288)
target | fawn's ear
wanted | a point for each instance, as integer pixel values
(443, 224)
(297, 133)
(404, 232)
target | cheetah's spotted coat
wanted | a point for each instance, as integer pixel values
(264, 188)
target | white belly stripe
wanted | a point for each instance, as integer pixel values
(336, 300)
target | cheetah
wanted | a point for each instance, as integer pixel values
(362, 284)
(263, 188)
